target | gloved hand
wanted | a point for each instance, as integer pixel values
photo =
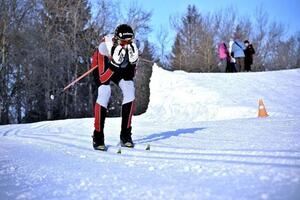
(133, 53)
(118, 55)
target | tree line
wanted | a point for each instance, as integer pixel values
(45, 44)
(198, 35)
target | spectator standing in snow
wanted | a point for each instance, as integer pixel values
(249, 51)
(225, 58)
(116, 58)
(236, 50)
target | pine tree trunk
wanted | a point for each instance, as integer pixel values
(3, 87)
(3, 50)
(75, 94)
(4, 106)
(67, 95)
(18, 99)
(47, 87)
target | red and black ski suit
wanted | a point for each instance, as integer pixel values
(122, 75)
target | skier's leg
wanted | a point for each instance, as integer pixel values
(128, 91)
(104, 92)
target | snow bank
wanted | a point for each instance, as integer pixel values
(192, 97)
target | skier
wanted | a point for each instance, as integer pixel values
(116, 57)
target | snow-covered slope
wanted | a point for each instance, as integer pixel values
(206, 143)
(180, 96)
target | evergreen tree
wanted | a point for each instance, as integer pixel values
(194, 43)
(177, 56)
(142, 80)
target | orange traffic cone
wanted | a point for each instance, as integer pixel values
(262, 109)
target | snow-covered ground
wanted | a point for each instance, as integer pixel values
(206, 143)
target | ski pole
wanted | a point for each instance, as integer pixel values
(52, 96)
(89, 71)
(79, 78)
(83, 75)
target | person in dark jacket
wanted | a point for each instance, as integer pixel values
(249, 51)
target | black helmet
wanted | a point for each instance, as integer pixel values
(124, 32)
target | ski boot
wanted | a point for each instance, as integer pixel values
(98, 141)
(125, 138)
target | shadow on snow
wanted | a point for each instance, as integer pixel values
(166, 135)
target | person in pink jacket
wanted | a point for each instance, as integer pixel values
(224, 56)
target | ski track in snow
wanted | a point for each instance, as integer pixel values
(206, 143)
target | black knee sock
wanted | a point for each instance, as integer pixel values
(127, 112)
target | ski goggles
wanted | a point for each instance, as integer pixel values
(124, 42)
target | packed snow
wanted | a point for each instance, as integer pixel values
(205, 137)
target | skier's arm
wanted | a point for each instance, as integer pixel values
(94, 62)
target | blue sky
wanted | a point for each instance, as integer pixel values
(284, 11)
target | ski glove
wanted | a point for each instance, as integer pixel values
(133, 53)
(118, 54)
